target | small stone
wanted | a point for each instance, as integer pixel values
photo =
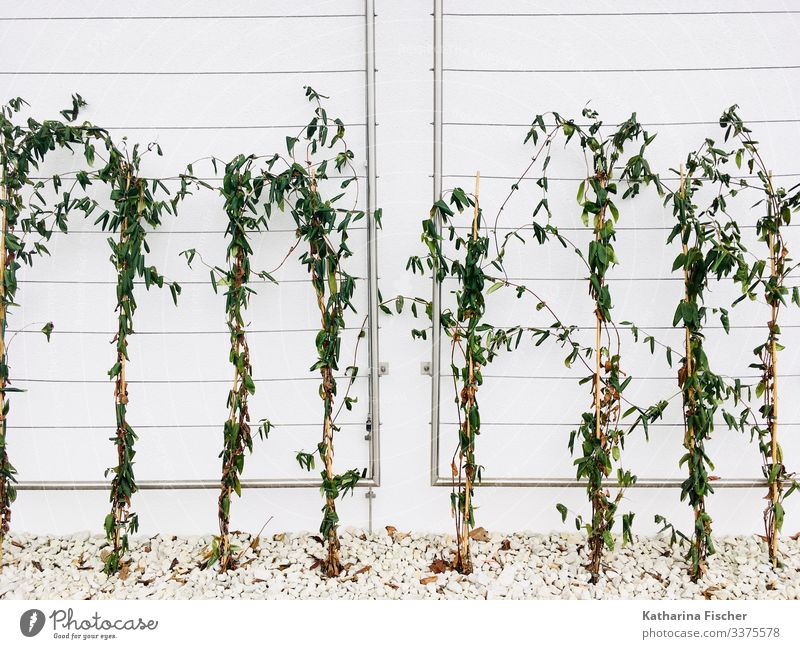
(506, 577)
(454, 587)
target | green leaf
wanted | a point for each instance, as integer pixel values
(47, 330)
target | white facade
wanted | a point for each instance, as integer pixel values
(669, 67)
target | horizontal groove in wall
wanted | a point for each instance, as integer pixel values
(609, 280)
(612, 125)
(573, 378)
(157, 426)
(165, 179)
(38, 332)
(165, 73)
(638, 14)
(644, 228)
(187, 381)
(167, 485)
(550, 178)
(357, 228)
(188, 282)
(731, 68)
(573, 424)
(226, 127)
(173, 17)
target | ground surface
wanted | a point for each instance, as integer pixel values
(392, 565)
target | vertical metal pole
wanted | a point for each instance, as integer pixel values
(370, 498)
(436, 340)
(372, 247)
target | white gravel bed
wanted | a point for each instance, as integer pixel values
(392, 566)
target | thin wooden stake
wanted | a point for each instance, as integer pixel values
(465, 560)
(597, 336)
(690, 441)
(773, 487)
(121, 390)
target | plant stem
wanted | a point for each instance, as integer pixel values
(690, 444)
(332, 564)
(229, 466)
(772, 371)
(464, 563)
(598, 498)
(121, 388)
(597, 332)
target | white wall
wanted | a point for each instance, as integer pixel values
(526, 420)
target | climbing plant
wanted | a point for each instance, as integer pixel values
(710, 247)
(601, 436)
(28, 222)
(242, 186)
(473, 332)
(138, 206)
(323, 229)
(767, 276)
(469, 340)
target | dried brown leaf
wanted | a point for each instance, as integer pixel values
(438, 566)
(479, 534)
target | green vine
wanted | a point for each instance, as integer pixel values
(768, 276)
(22, 148)
(241, 188)
(135, 209)
(708, 248)
(470, 336)
(601, 436)
(322, 227)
